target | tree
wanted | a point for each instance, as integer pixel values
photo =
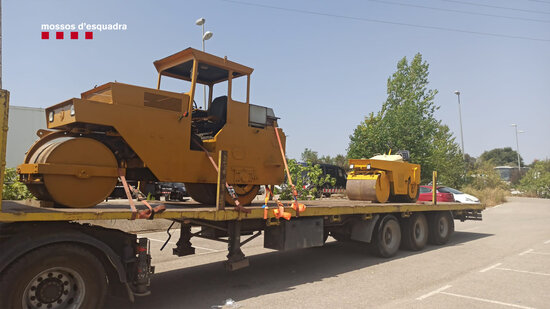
(407, 121)
(310, 156)
(501, 156)
(537, 179)
(470, 162)
(313, 156)
(484, 176)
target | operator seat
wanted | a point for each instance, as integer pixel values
(217, 113)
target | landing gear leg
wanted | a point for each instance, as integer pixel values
(235, 258)
(184, 246)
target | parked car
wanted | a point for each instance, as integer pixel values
(168, 190)
(459, 196)
(336, 172)
(426, 195)
(119, 192)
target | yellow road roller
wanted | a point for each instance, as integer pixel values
(382, 178)
(149, 134)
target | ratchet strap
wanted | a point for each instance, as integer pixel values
(142, 214)
(229, 188)
(279, 212)
(298, 207)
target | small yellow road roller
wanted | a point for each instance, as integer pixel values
(383, 178)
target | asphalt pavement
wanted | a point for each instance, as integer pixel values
(500, 262)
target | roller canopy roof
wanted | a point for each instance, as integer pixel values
(211, 70)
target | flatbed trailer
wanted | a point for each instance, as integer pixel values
(50, 259)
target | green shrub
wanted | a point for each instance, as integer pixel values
(13, 189)
(483, 177)
(537, 180)
(488, 196)
(308, 179)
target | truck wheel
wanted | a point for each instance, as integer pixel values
(415, 232)
(387, 237)
(441, 227)
(55, 276)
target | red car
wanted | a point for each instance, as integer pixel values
(426, 195)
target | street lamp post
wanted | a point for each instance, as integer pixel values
(460, 118)
(205, 36)
(517, 144)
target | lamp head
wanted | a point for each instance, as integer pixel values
(457, 92)
(200, 21)
(207, 35)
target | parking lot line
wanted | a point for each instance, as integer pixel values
(433, 292)
(486, 300)
(490, 267)
(540, 253)
(527, 251)
(524, 271)
(173, 243)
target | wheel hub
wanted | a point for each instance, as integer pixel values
(54, 288)
(417, 232)
(49, 290)
(388, 236)
(443, 227)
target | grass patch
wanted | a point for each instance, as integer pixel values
(488, 196)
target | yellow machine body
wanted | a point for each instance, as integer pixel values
(147, 134)
(383, 178)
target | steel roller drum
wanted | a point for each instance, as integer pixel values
(375, 188)
(70, 190)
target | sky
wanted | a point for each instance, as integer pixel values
(321, 65)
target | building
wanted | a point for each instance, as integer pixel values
(23, 123)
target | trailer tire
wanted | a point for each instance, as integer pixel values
(441, 226)
(54, 276)
(387, 237)
(414, 232)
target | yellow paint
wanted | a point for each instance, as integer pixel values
(152, 129)
(404, 178)
(4, 109)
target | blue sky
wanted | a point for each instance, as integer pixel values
(321, 74)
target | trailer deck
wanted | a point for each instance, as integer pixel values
(14, 211)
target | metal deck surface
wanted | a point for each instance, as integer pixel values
(120, 209)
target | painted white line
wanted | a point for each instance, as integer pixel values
(162, 241)
(524, 271)
(540, 253)
(527, 251)
(487, 300)
(173, 243)
(433, 292)
(207, 249)
(547, 242)
(214, 251)
(490, 267)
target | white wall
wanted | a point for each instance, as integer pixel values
(23, 123)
